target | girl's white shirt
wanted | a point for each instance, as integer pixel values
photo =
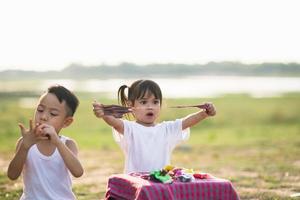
(46, 177)
(149, 148)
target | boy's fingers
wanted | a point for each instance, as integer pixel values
(41, 127)
(22, 128)
(42, 138)
(38, 131)
(35, 127)
(30, 125)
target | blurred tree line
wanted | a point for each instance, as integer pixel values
(131, 70)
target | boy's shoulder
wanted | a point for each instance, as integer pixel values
(66, 139)
(69, 142)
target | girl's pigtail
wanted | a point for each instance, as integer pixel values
(122, 98)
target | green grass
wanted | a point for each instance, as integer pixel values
(253, 142)
(7, 189)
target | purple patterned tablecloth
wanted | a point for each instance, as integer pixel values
(129, 187)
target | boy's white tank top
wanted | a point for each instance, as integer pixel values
(46, 177)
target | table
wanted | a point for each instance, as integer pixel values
(130, 187)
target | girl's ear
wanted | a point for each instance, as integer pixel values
(68, 121)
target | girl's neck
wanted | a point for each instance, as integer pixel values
(145, 124)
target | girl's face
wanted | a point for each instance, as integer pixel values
(50, 111)
(146, 109)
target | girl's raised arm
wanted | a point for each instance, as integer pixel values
(195, 118)
(111, 120)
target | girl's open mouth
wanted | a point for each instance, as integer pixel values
(149, 114)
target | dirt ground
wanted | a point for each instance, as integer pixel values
(99, 165)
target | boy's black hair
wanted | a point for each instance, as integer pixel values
(63, 94)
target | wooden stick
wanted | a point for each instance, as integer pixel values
(202, 106)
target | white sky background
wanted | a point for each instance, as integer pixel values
(44, 35)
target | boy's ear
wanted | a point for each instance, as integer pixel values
(68, 121)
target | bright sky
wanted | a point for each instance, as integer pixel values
(51, 34)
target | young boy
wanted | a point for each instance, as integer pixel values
(44, 156)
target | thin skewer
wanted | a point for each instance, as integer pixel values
(119, 111)
(202, 106)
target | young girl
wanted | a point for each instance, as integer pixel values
(148, 145)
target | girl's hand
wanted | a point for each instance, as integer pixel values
(210, 109)
(45, 130)
(98, 109)
(30, 136)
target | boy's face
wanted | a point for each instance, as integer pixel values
(50, 111)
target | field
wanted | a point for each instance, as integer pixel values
(254, 142)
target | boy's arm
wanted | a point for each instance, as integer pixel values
(16, 165)
(69, 152)
(195, 118)
(29, 138)
(109, 119)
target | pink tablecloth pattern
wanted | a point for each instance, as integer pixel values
(127, 187)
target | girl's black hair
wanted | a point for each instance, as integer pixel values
(137, 90)
(63, 94)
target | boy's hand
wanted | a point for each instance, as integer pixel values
(30, 136)
(49, 132)
(210, 109)
(98, 109)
